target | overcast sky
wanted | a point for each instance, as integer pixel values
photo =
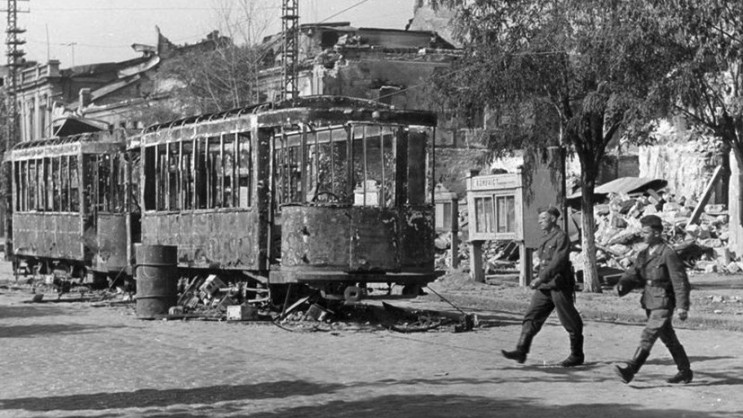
(90, 31)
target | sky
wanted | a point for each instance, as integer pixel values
(78, 32)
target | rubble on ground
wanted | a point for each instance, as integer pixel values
(701, 245)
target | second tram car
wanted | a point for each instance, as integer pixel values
(71, 205)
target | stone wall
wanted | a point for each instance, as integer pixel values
(687, 166)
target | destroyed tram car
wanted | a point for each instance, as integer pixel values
(326, 192)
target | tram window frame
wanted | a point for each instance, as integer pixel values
(56, 180)
(44, 185)
(377, 155)
(187, 177)
(64, 172)
(32, 186)
(150, 182)
(112, 181)
(340, 161)
(48, 185)
(202, 173)
(244, 198)
(74, 167)
(40, 185)
(228, 143)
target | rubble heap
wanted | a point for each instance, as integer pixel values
(702, 244)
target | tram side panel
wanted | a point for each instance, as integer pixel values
(47, 235)
(199, 194)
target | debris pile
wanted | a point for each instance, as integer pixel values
(210, 297)
(307, 314)
(701, 243)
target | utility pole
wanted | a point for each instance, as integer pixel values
(15, 55)
(290, 51)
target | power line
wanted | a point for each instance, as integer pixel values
(134, 9)
(343, 11)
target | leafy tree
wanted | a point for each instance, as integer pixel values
(224, 76)
(577, 72)
(706, 85)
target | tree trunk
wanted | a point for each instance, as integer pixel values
(591, 281)
(735, 242)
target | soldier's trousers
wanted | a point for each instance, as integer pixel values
(659, 326)
(543, 302)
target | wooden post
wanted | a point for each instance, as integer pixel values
(476, 271)
(525, 264)
(454, 262)
(697, 213)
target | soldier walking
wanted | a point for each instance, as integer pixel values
(554, 290)
(666, 286)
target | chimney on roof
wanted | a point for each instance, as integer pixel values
(84, 100)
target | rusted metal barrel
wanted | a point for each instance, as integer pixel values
(157, 279)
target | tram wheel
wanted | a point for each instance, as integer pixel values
(412, 290)
(352, 294)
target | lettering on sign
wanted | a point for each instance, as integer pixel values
(507, 181)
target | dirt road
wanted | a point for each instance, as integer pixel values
(73, 359)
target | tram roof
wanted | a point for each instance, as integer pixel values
(88, 142)
(307, 109)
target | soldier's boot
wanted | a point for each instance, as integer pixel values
(522, 348)
(576, 357)
(684, 375)
(633, 366)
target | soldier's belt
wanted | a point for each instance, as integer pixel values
(658, 283)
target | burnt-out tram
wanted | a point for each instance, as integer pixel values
(72, 205)
(329, 192)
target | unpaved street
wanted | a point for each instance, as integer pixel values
(65, 359)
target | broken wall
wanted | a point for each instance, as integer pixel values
(687, 166)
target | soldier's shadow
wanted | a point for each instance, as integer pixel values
(702, 377)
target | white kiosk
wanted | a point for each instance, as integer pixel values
(506, 207)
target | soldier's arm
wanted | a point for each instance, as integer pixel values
(629, 280)
(679, 279)
(559, 260)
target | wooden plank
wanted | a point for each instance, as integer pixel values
(697, 213)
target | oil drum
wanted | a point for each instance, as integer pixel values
(157, 279)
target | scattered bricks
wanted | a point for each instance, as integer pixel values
(710, 268)
(711, 243)
(715, 209)
(692, 230)
(723, 255)
(625, 237)
(315, 313)
(241, 313)
(718, 299)
(732, 267)
(704, 232)
(211, 285)
(224, 302)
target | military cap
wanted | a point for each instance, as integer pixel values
(551, 210)
(652, 221)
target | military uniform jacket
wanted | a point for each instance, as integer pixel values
(663, 276)
(555, 271)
